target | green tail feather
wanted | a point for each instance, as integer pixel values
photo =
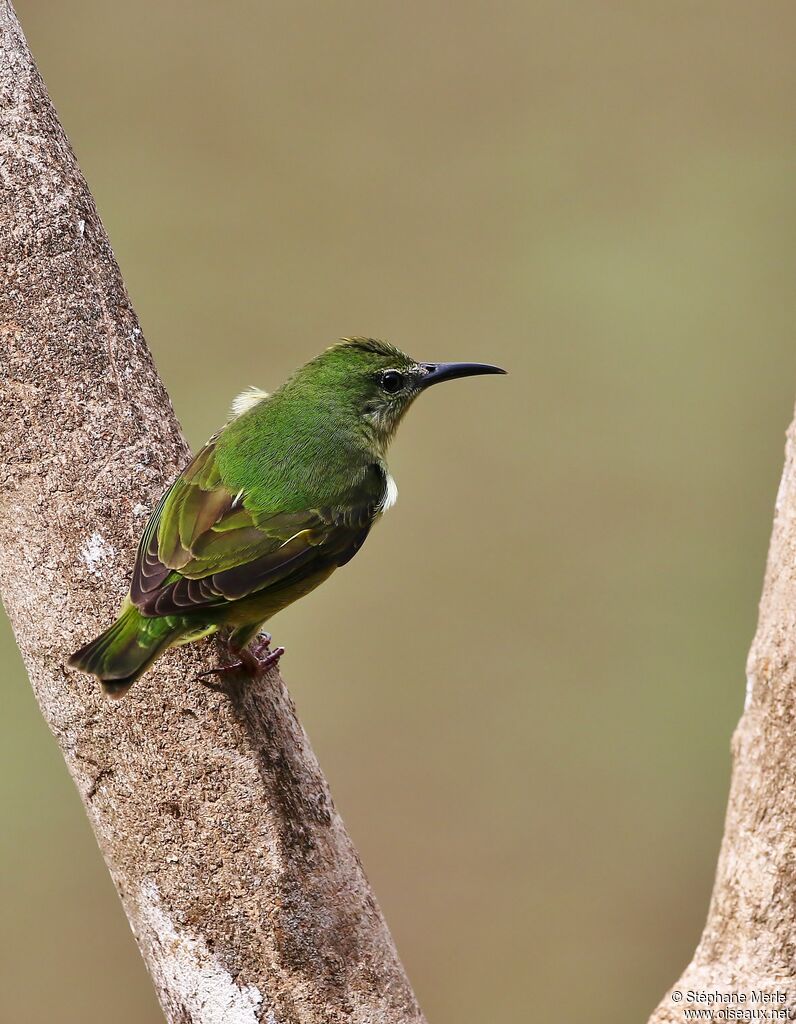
(126, 650)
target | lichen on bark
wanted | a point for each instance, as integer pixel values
(244, 891)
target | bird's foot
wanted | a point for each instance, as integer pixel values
(252, 661)
(271, 659)
(260, 655)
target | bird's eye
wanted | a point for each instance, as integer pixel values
(392, 381)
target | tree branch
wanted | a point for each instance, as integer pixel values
(750, 936)
(242, 887)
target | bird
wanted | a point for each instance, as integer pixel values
(285, 493)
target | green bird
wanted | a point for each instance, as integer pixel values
(285, 493)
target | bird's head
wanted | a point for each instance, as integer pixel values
(374, 383)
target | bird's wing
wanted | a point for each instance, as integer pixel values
(202, 547)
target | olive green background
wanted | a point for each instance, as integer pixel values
(523, 689)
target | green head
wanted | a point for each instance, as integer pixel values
(373, 383)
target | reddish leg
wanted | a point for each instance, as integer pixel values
(253, 660)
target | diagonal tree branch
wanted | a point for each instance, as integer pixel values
(749, 941)
(242, 887)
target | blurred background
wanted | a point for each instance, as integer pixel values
(523, 690)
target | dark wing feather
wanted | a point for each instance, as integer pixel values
(149, 573)
(203, 548)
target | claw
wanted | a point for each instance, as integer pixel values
(258, 656)
(251, 664)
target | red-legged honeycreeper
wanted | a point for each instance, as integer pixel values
(280, 497)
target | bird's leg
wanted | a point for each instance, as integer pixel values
(253, 658)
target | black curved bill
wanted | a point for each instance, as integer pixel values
(437, 372)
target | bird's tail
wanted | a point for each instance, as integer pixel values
(125, 651)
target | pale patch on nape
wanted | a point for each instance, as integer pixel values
(247, 400)
(188, 971)
(390, 494)
(96, 550)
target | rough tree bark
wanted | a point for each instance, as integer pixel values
(242, 887)
(749, 941)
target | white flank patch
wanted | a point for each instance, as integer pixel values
(247, 400)
(390, 495)
(188, 971)
(96, 550)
